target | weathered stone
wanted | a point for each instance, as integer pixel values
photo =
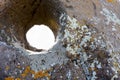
(12, 61)
(68, 71)
(103, 17)
(91, 36)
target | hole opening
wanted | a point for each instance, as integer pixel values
(40, 37)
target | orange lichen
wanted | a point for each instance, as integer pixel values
(92, 68)
(110, 0)
(32, 72)
(23, 75)
(41, 74)
(17, 79)
(27, 71)
(9, 78)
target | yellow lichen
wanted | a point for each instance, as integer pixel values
(27, 71)
(17, 79)
(9, 78)
(41, 74)
(32, 72)
(23, 75)
(110, 0)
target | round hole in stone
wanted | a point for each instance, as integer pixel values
(40, 37)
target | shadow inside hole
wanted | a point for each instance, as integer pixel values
(47, 12)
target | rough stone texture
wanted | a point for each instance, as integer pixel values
(103, 15)
(12, 62)
(68, 71)
(104, 56)
(91, 38)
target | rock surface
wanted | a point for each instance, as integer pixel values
(88, 47)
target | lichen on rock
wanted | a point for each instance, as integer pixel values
(82, 40)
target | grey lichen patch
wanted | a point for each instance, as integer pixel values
(79, 37)
(7, 35)
(82, 40)
(115, 62)
(110, 16)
